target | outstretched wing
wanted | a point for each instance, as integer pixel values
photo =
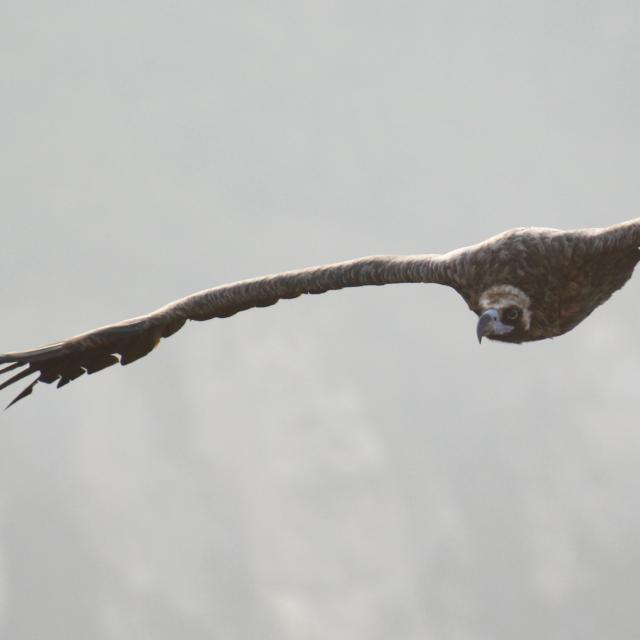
(131, 339)
(625, 235)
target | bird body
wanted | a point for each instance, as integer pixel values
(525, 284)
(564, 275)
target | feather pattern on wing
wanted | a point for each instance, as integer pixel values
(127, 341)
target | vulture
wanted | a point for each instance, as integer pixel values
(524, 284)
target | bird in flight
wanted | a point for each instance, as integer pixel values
(524, 284)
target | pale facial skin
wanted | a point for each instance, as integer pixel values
(504, 314)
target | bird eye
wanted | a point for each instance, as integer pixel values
(512, 313)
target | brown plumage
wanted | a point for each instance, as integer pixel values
(525, 284)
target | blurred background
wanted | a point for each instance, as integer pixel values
(350, 466)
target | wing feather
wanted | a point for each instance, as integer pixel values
(127, 341)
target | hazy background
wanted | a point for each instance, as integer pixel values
(351, 466)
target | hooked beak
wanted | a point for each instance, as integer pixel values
(490, 324)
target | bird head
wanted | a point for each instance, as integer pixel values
(504, 314)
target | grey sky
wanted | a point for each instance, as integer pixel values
(350, 466)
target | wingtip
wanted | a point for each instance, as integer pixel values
(11, 367)
(23, 394)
